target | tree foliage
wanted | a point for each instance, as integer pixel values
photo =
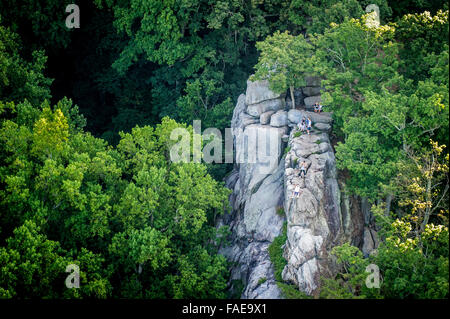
(284, 62)
(21, 79)
(137, 224)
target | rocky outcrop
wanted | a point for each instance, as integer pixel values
(260, 99)
(257, 184)
(314, 217)
(258, 91)
(311, 100)
(279, 119)
(370, 241)
(298, 96)
(265, 117)
(311, 90)
(263, 180)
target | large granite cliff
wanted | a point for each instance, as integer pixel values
(264, 123)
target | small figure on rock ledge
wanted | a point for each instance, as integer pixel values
(302, 125)
(318, 107)
(297, 191)
(303, 166)
(308, 125)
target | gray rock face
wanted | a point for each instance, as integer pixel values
(311, 100)
(240, 118)
(254, 224)
(259, 91)
(323, 117)
(265, 117)
(370, 241)
(263, 180)
(314, 217)
(279, 119)
(252, 147)
(260, 99)
(257, 184)
(295, 116)
(252, 266)
(323, 127)
(264, 106)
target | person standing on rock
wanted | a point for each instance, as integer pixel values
(302, 125)
(318, 107)
(303, 169)
(308, 125)
(297, 191)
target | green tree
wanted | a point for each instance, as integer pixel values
(348, 57)
(31, 265)
(199, 55)
(420, 35)
(128, 207)
(40, 22)
(284, 62)
(21, 79)
(413, 255)
(378, 113)
(349, 283)
(316, 16)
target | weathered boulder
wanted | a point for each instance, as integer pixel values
(265, 117)
(323, 117)
(304, 150)
(323, 127)
(279, 119)
(264, 106)
(259, 91)
(295, 116)
(370, 241)
(311, 100)
(240, 118)
(259, 98)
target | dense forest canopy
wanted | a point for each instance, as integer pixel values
(86, 116)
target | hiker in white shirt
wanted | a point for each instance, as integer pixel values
(297, 191)
(303, 169)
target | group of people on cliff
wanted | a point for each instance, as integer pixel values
(318, 107)
(303, 166)
(305, 125)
